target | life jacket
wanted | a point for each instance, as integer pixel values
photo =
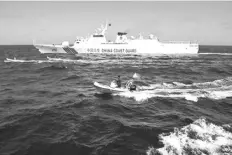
(118, 83)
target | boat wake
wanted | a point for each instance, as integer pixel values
(61, 59)
(218, 89)
(24, 61)
(200, 137)
(99, 60)
(50, 60)
(55, 60)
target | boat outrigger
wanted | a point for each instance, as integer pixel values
(98, 44)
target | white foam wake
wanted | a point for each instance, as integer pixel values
(25, 61)
(92, 60)
(218, 89)
(198, 138)
(55, 60)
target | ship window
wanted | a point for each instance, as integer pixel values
(122, 33)
(98, 35)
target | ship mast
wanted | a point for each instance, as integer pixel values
(104, 28)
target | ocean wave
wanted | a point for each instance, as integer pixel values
(200, 137)
(215, 53)
(54, 67)
(70, 77)
(217, 70)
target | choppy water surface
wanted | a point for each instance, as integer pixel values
(50, 106)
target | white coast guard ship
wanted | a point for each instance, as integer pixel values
(97, 43)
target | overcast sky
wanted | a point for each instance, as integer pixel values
(53, 22)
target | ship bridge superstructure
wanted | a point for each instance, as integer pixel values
(121, 37)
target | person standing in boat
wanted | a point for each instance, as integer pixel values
(118, 81)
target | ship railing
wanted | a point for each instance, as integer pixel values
(113, 43)
(180, 42)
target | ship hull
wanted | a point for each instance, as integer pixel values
(128, 49)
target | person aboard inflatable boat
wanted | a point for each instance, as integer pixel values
(116, 83)
(129, 85)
